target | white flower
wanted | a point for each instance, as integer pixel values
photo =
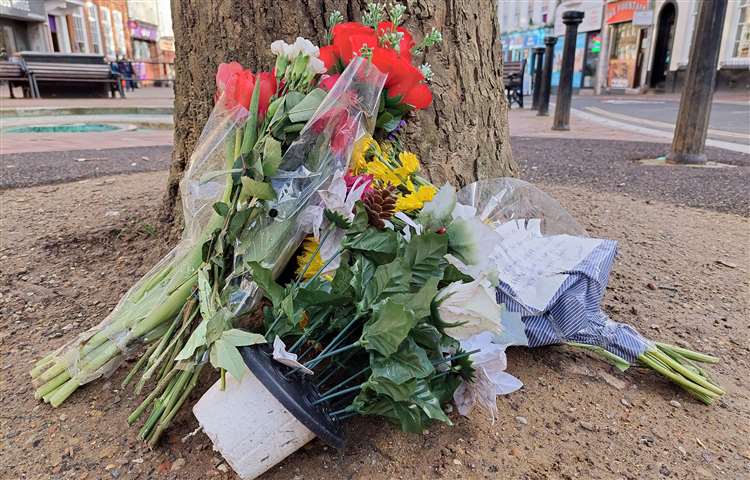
(473, 305)
(437, 212)
(316, 65)
(279, 47)
(289, 359)
(305, 46)
(490, 378)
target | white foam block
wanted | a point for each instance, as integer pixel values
(248, 426)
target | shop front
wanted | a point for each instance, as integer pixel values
(588, 42)
(626, 43)
(22, 27)
(518, 46)
(145, 50)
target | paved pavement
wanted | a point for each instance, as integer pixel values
(39, 168)
(142, 97)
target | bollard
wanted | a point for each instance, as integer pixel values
(571, 19)
(546, 84)
(538, 55)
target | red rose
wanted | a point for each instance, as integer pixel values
(328, 81)
(267, 85)
(349, 37)
(239, 89)
(240, 86)
(419, 97)
(330, 57)
(224, 73)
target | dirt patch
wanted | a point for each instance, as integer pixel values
(69, 251)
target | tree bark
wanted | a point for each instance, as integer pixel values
(462, 137)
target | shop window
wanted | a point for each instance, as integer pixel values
(742, 38)
(96, 36)
(119, 31)
(79, 44)
(141, 50)
(107, 29)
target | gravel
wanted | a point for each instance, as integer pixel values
(611, 166)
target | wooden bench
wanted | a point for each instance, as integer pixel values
(513, 80)
(75, 73)
(16, 72)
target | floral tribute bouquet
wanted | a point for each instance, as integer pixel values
(303, 212)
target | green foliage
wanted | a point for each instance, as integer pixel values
(409, 362)
(389, 326)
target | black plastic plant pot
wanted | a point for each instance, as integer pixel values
(295, 394)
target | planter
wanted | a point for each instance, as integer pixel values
(259, 421)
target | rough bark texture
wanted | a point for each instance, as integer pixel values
(463, 136)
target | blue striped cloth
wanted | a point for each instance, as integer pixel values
(574, 313)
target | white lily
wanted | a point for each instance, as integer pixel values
(473, 306)
(490, 378)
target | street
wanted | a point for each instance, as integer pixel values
(729, 123)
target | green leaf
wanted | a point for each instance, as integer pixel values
(392, 124)
(383, 118)
(304, 110)
(429, 403)
(389, 279)
(221, 208)
(379, 245)
(237, 223)
(342, 279)
(360, 222)
(241, 338)
(427, 337)
(409, 417)
(388, 327)
(398, 392)
(271, 156)
(217, 324)
(197, 339)
(444, 387)
(425, 256)
(205, 301)
(315, 297)
(364, 270)
(225, 355)
(259, 190)
(292, 99)
(408, 363)
(263, 277)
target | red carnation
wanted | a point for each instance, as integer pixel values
(406, 43)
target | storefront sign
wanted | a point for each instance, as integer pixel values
(166, 44)
(28, 10)
(143, 31)
(623, 10)
(527, 39)
(592, 15)
(643, 18)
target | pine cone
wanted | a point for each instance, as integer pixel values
(380, 204)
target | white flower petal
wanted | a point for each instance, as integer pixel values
(316, 65)
(473, 304)
(289, 359)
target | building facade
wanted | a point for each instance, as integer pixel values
(674, 22)
(22, 26)
(525, 23)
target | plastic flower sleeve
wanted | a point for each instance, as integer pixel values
(325, 143)
(308, 166)
(101, 349)
(551, 273)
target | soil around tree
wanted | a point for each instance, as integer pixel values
(70, 250)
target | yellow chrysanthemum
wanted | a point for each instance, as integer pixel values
(309, 246)
(364, 149)
(387, 149)
(409, 162)
(383, 173)
(416, 200)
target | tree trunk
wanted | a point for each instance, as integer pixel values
(463, 136)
